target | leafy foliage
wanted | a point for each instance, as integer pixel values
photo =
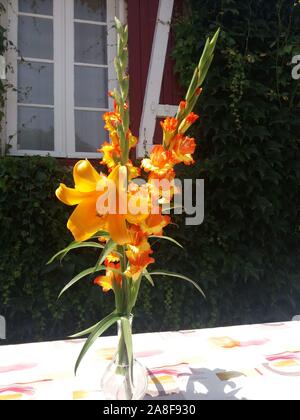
(3, 87)
(32, 228)
(246, 253)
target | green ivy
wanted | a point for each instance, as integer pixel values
(2, 52)
(32, 229)
(4, 85)
(246, 253)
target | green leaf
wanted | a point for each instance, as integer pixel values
(180, 276)
(84, 332)
(146, 274)
(214, 40)
(75, 245)
(99, 329)
(80, 276)
(109, 247)
(167, 238)
(90, 329)
(135, 287)
(126, 329)
(100, 233)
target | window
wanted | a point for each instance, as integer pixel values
(62, 69)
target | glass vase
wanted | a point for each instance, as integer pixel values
(123, 380)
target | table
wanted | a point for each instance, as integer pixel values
(239, 362)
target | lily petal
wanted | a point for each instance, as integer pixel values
(117, 228)
(84, 221)
(70, 196)
(85, 176)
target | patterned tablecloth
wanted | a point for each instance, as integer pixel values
(240, 362)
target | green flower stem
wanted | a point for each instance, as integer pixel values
(199, 76)
(124, 362)
(123, 298)
(121, 64)
(135, 287)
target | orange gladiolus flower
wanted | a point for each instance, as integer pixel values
(112, 258)
(106, 282)
(136, 235)
(187, 122)
(133, 171)
(112, 157)
(139, 258)
(169, 126)
(132, 140)
(112, 151)
(154, 224)
(139, 203)
(111, 120)
(182, 105)
(198, 91)
(160, 162)
(183, 148)
(111, 154)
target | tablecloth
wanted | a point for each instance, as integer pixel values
(238, 362)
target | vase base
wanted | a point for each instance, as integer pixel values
(114, 383)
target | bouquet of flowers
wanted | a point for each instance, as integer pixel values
(120, 215)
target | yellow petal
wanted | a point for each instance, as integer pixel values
(85, 176)
(84, 221)
(117, 228)
(70, 196)
(116, 223)
(114, 175)
(105, 282)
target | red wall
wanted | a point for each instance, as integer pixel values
(141, 24)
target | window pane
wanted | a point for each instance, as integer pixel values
(35, 128)
(35, 37)
(90, 10)
(91, 87)
(40, 7)
(35, 83)
(90, 43)
(89, 131)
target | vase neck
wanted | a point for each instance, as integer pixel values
(119, 324)
(121, 357)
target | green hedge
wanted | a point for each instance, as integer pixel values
(247, 250)
(32, 229)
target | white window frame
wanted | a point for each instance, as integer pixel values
(63, 59)
(152, 109)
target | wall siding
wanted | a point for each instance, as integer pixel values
(141, 24)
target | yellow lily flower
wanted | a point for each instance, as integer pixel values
(85, 221)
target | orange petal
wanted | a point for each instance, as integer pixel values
(84, 221)
(85, 176)
(116, 226)
(70, 196)
(154, 224)
(104, 282)
(139, 258)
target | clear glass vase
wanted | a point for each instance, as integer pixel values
(123, 380)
